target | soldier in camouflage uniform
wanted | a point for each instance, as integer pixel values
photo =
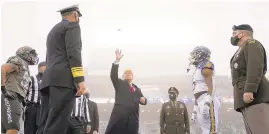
(14, 86)
(174, 115)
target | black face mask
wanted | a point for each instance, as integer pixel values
(172, 96)
(234, 40)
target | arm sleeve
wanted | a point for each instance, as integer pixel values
(30, 87)
(162, 116)
(87, 111)
(114, 75)
(208, 65)
(73, 49)
(96, 118)
(254, 56)
(141, 95)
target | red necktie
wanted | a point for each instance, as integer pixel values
(132, 89)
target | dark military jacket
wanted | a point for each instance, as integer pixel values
(248, 74)
(174, 118)
(63, 61)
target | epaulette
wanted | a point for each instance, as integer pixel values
(251, 41)
(166, 103)
(181, 104)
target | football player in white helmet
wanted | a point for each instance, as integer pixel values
(206, 108)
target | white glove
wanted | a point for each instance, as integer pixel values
(194, 113)
(206, 109)
(208, 100)
(193, 117)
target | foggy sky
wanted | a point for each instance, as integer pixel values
(156, 36)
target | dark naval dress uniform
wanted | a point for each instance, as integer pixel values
(248, 68)
(64, 70)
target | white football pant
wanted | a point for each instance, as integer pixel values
(208, 116)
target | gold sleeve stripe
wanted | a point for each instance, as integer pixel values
(77, 71)
(76, 68)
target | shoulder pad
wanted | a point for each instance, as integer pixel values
(207, 64)
(15, 60)
(71, 25)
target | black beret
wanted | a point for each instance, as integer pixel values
(70, 9)
(243, 27)
(42, 64)
(173, 89)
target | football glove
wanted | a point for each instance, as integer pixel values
(194, 114)
(208, 100)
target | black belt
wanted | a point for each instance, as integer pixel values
(173, 123)
(197, 95)
(77, 118)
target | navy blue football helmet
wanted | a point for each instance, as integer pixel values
(199, 54)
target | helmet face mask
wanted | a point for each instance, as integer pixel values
(193, 58)
(34, 57)
(199, 54)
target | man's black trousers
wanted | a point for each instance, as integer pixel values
(75, 126)
(56, 107)
(32, 113)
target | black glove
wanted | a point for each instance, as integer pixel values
(6, 93)
(24, 103)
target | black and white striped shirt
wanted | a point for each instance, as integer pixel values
(81, 108)
(33, 95)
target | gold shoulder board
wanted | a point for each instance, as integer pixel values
(251, 41)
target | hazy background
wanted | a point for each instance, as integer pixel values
(156, 36)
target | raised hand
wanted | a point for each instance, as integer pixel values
(118, 55)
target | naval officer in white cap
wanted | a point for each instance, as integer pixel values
(63, 78)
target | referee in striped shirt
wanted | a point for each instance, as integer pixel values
(33, 102)
(80, 115)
